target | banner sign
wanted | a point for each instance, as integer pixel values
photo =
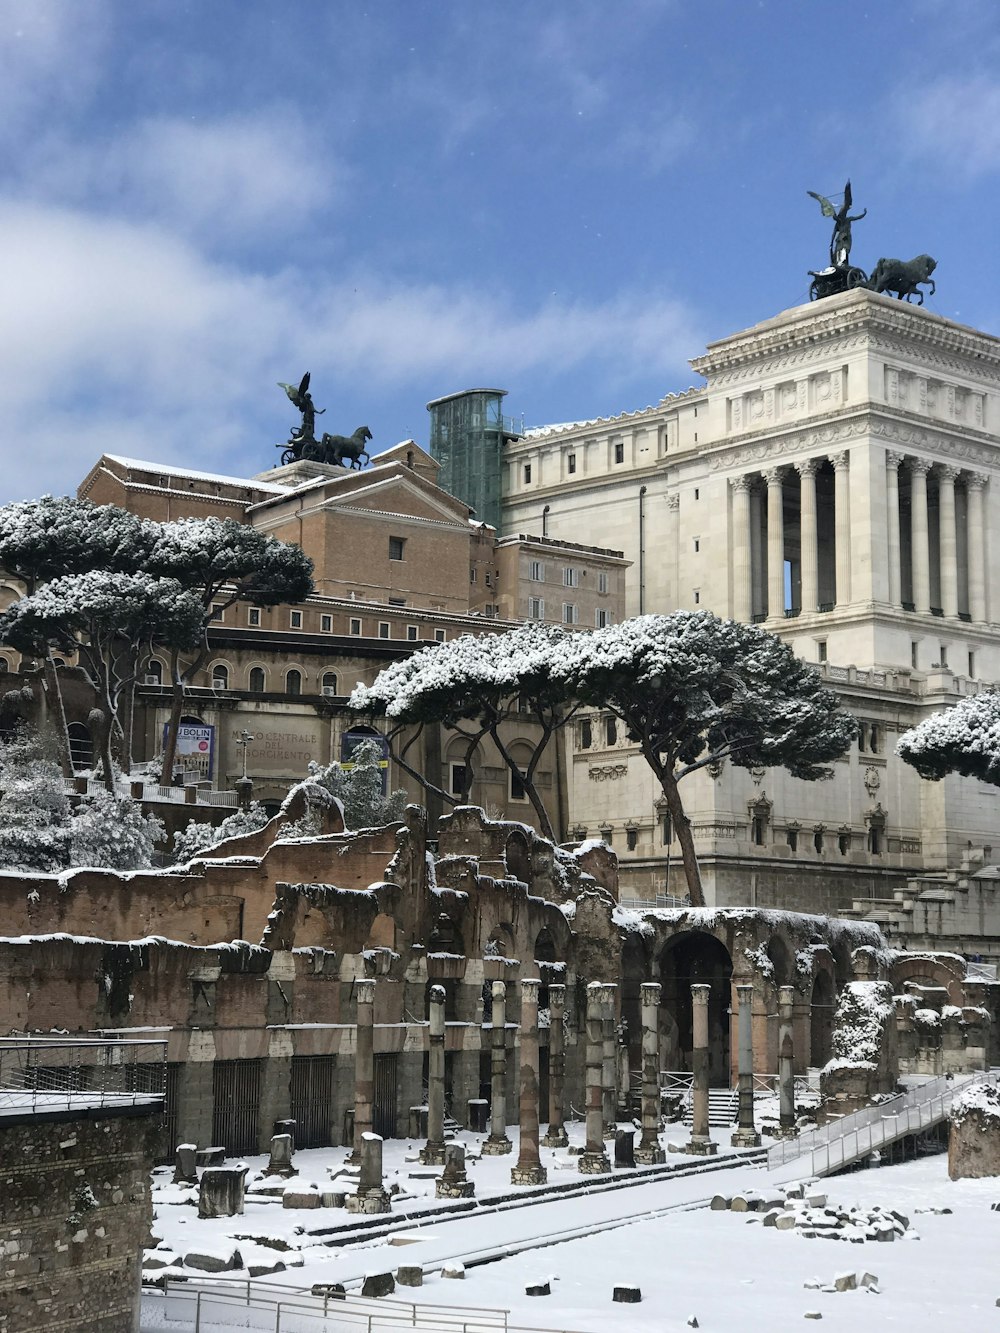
(195, 748)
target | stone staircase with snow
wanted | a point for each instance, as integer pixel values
(946, 894)
(723, 1107)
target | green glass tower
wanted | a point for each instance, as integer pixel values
(468, 432)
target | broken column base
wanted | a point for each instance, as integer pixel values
(454, 1189)
(497, 1147)
(745, 1138)
(593, 1163)
(528, 1175)
(702, 1147)
(786, 1132)
(372, 1201)
(556, 1138)
(650, 1156)
(433, 1154)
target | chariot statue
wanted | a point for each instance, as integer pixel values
(302, 442)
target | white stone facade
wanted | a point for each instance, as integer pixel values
(837, 479)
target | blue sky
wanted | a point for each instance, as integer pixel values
(409, 197)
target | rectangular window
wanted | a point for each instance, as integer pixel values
(602, 618)
(397, 601)
(489, 579)
(571, 463)
(631, 839)
(253, 615)
(586, 734)
(570, 613)
(913, 653)
(666, 830)
(571, 577)
(697, 545)
(697, 597)
(396, 545)
(619, 452)
(536, 571)
(472, 574)
(458, 776)
(218, 612)
(611, 730)
(295, 619)
(383, 629)
(439, 636)
(821, 650)
(536, 608)
(517, 792)
(527, 473)
(697, 493)
(943, 655)
(972, 666)
(602, 582)
(326, 624)
(412, 633)
(355, 625)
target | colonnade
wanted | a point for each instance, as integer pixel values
(932, 540)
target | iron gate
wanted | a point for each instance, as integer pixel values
(384, 1101)
(312, 1100)
(235, 1106)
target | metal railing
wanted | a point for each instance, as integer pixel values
(840, 1142)
(158, 792)
(281, 1309)
(661, 900)
(64, 1074)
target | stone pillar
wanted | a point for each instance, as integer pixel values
(775, 543)
(701, 1143)
(556, 1136)
(808, 538)
(742, 559)
(786, 1063)
(594, 1160)
(948, 542)
(974, 486)
(893, 553)
(920, 538)
(609, 1070)
(432, 1154)
(746, 1135)
(529, 1169)
(221, 1191)
(454, 1183)
(842, 516)
(498, 1143)
(280, 1162)
(649, 1152)
(364, 1063)
(371, 1196)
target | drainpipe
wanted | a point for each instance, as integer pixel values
(642, 549)
(545, 520)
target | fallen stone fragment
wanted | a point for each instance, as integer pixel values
(456, 1271)
(627, 1295)
(720, 1203)
(813, 1314)
(333, 1290)
(378, 1284)
(410, 1275)
(846, 1282)
(221, 1262)
(538, 1289)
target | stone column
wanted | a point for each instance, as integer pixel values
(775, 543)
(609, 1070)
(746, 1135)
(974, 485)
(594, 1160)
(920, 538)
(701, 1143)
(372, 1196)
(892, 462)
(556, 1136)
(649, 1152)
(498, 1143)
(364, 1063)
(742, 558)
(786, 1070)
(808, 539)
(948, 540)
(432, 1154)
(529, 1169)
(842, 516)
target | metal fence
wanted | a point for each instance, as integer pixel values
(157, 792)
(39, 1073)
(281, 1309)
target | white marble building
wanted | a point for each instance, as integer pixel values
(837, 478)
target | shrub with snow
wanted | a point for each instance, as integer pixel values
(358, 788)
(198, 835)
(34, 807)
(111, 831)
(864, 1010)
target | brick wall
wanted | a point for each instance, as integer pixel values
(74, 1214)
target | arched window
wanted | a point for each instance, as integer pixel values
(220, 677)
(257, 680)
(154, 672)
(81, 747)
(330, 682)
(4, 665)
(293, 681)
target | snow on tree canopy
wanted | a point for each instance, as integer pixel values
(42, 539)
(864, 1011)
(211, 552)
(964, 739)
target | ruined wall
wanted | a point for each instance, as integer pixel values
(75, 1213)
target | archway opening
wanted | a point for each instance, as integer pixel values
(691, 958)
(821, 1020)
(81, 747)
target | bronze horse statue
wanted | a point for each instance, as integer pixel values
(902, 278)
(337, 448)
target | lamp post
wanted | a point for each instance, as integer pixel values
(245, 737)
(244, 787)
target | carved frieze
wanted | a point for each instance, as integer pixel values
(607, 772)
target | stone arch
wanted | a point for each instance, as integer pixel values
(822, 1007)
(695, 956)
(517, 854)
(782, 963)
(445, 936)
(520, 751)
(634, 971)
(81, 746)
(382, 934)
(257, 679)
(219, 674)
(930, 972)
(500, 943)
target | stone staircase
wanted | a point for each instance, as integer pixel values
(723, 1107)
(940, 887)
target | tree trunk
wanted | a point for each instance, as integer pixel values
(682, 826)
(527, 782)
(170, 740)
(55, 689)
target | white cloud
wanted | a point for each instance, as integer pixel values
(953, 122)
(50, 58)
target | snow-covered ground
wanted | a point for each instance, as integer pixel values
(726, 1270)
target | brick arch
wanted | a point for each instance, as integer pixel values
(919, 967)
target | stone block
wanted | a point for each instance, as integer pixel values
(378, 1284)
(222, 1260)
(453, 1270)
(846, 1282)
(785, 1221)
(210, 1156)
(331, 1290)
(627, 1295)
(720, 1203)
(222, 1191)
(409, 1275)
(299, 1198)
(538, 1289)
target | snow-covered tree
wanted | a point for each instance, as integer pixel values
(964, 739)
(694, 690)
(108, 618)
(359, 790)
(472, 685)
(222, 562)
(34, 807)
(111, 831)
(199, 834)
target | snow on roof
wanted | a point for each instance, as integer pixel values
(537, 432)
(164, 469)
